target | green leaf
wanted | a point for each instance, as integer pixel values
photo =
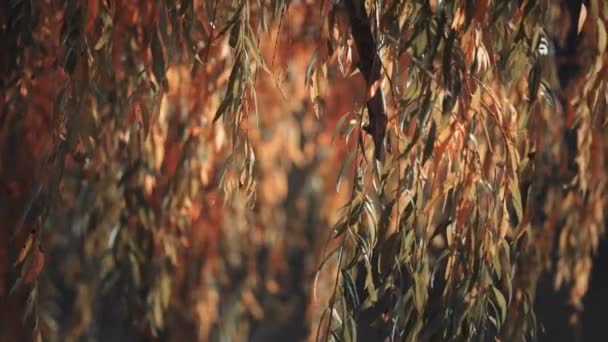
(339, 126)
(601, 36)
(437, 266)
(421, 288)
(310, 68)
(411, 144)
(430, 142)
(103, 40)
(516, 198)
(235, 34)
(496, 264)
(446, 65)
(345, 165)
(448, 103)
(547, 94)
(71, 58)
(351, 330)
(230, 89)
(534, 81)
(30, 303)
(163, 24)
(499, 300)
(254, 50)
(338, 229)
(425, 109)
(349, 130)
(494, 322)
(255, 106)
(158, 60)
(505, 260)
(135, 270)
(369, 284)
(350, 291)
(233, 19)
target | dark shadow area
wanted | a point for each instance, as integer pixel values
(596, 301)
(553, 311)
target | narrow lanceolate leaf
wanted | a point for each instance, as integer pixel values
(547, 94)
(516, 198)
(447, 58)
(505, 260)
(235, 34)
(230, 90)
(234, 19)
(430, 141)
(71, 58)
(163, 23)
(501, 303)
(602, 38)
(534, 81)
(345, 165)
(350, 291)
(351, 330)
(32, 299)
(254, 50)
(339, 125)
(103, 40)
(158, 60)
(581, 18)
(27, 246)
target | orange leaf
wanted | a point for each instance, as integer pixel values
(373, 89)
(36, 267)
(458, 19)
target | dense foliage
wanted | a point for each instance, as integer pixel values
(263, 170)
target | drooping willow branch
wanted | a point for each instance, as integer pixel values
(369, 65)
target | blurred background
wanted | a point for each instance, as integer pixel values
(173, 170)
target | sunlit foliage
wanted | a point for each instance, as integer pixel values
(264, 170)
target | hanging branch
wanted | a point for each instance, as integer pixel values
(369, 65)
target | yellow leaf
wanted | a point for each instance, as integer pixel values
(601, 36)
(26, 248)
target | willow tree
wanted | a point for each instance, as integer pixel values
(405, 170)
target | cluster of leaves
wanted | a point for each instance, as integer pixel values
(171, 165)
(135, 177)
(489, 160)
